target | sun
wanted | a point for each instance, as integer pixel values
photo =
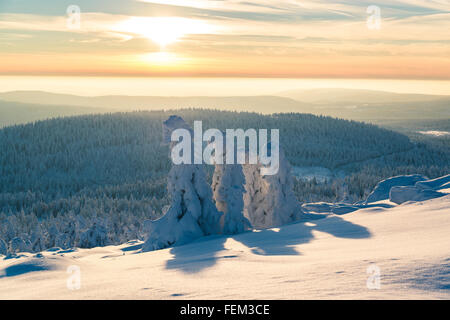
(163, 30)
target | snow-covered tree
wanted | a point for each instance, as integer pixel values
(53, 233)
(228, 189)
(270, 200)
(3, 248)
(37, 239)
(17, 245)
(9, 228)
(95, 236)
(192, 212)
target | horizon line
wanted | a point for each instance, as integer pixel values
(216, 75)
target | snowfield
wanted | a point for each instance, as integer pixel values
(332, 256)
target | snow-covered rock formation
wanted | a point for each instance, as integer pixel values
(269, 200)
(382, 189)
(401, 194)
(421, 191)
(415, 187)
(435, 184)
(192, 212)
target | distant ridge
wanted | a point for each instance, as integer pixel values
(336, 95)
(383, 108)
(262, 104)
(14, 113)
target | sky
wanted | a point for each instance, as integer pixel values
(227, 38)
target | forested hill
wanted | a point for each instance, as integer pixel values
(68, 154)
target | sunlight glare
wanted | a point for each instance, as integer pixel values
(163, 30)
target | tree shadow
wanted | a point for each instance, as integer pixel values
(197, 255)
(204, 253)
(23, 268)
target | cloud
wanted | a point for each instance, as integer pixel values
(242, 34)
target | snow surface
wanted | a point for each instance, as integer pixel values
(321, 174)
(324, 258)
(435, 133)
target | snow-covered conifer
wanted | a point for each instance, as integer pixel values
(66, 239)
(37, 240)
(95, 236)
(52, 235)
(17, 245)
(228, 189)
(270, 200)
(3, 248)
(192, 212)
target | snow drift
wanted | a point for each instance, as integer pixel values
(326, 258)
(382, 189)
(400, 195)
(435, 184)
(421, 191)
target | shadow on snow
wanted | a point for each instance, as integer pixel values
(205, 252)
